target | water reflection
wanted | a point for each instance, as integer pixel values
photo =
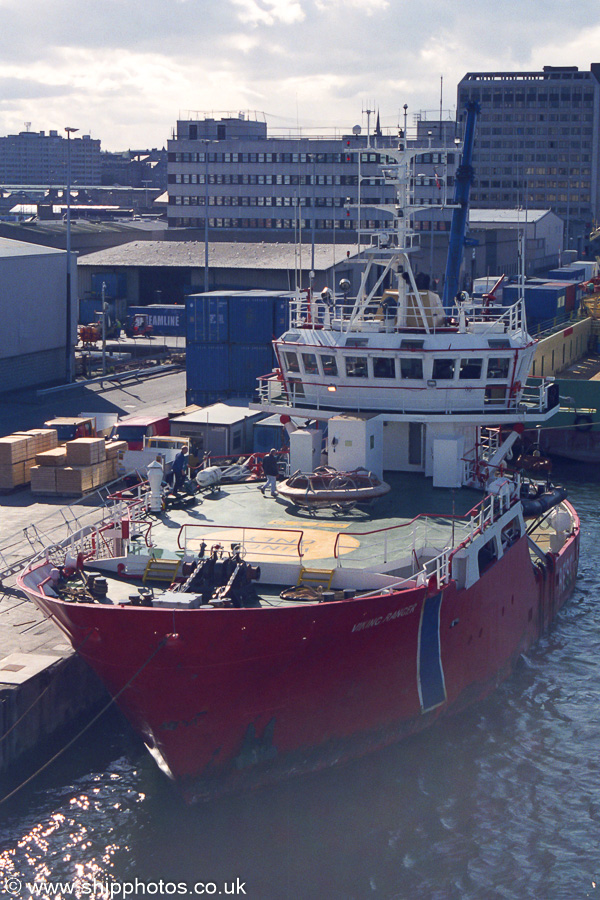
(501, 801)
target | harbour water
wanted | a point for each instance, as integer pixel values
(500, 801)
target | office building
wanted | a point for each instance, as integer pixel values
(537, 143)
(273, 188)
(37, 158)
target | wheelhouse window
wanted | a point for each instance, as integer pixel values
(291, 361)
(411, 368)
(356, 367)
(443, 369)
(329, 364)
(309, 361)
(384, 367)
(498, 367)
(470, 368)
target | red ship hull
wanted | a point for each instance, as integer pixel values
(231, 699)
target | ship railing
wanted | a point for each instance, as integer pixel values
(420, 537)
(510, 318)
(267, 544)
(341, 315)
(272, 391)
(411, 540)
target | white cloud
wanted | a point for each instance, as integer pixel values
(269, 12)
(126, 72)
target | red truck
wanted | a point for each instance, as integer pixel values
(135, 428)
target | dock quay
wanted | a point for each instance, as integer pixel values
(44, 686)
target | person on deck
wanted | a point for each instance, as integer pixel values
(180, 465)
(269, 465)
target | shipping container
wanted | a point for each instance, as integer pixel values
(544, 303)
(207, 369)
(281, 315)
(90, 310)
(202, 398)
(207, 319)
(246, 363)
(251, 318)
(567, 273)
(572, 293)
(115, 284)
(165, 320)
(590, 267)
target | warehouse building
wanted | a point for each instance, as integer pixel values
(33, 311)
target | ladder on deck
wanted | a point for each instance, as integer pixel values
(314, 577)
(161, 570)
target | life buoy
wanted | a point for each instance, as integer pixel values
(515, 389)
(583, 423)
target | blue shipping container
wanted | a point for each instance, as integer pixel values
(89, 310)
(567, 273)
(251, 319)
(246, 363)
(202, 398)
(207, 368)
(281, 315)
(164, 319)
(543, 302)
(115, 284)
(207, 319)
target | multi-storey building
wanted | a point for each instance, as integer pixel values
(538, 143)
(274, 187)
(37, 158)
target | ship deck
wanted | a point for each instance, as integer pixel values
(274, 526)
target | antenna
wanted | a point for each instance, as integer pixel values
(27, 126)
(368, 113)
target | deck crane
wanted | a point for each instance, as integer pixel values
(462, 189)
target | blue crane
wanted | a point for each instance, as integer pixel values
(462, 189)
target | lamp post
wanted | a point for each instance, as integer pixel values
(313, 158)
(205, 216)
(68, 348)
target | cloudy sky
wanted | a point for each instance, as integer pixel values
(125, 70)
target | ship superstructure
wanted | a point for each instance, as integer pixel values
(397, 352)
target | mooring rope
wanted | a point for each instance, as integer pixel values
(89, 724)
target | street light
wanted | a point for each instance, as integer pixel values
(206, 143)
(68, 348)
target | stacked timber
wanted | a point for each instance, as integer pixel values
(76, 468)
(18, 454)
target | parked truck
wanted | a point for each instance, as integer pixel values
(68, 428)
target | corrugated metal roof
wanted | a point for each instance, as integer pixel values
(221, 254)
